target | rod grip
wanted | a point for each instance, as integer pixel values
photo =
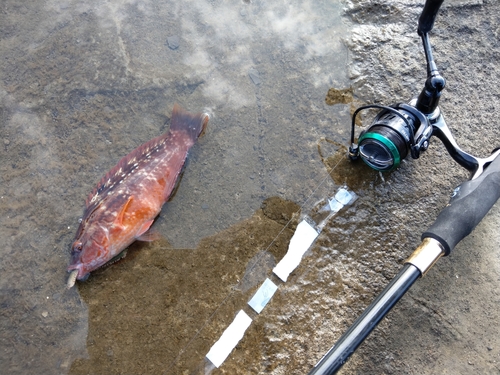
(469, 204)
(426, 20)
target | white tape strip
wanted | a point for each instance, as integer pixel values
(229, 339)
(262, 296)
(335, 205)
(302, 239)
(345, 197)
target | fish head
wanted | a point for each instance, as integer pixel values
(89, 251)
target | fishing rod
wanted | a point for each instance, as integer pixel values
(395, 132)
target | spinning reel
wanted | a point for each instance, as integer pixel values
(402, 129)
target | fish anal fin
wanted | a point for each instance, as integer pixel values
(145, 234)
(145, 227)
(149, 236)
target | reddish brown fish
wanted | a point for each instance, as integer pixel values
(123, 205)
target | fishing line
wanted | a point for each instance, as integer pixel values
(235, 288)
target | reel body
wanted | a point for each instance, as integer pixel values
(395, 132)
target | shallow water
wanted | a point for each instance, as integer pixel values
(84, 83)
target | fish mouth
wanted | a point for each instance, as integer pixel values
(72, 279)
(76, 273)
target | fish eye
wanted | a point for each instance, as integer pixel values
(77, 246)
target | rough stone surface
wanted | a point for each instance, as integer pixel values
(449, 318)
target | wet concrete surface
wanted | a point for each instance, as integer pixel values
(180, 289)
(83, 83)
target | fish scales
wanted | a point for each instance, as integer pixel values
(123, 205)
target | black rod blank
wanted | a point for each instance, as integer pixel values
(428, 16)
(333, 360)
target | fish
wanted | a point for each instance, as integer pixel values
(125, 202)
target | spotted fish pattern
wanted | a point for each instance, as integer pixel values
(124, 204)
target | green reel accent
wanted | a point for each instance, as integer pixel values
(388, 144)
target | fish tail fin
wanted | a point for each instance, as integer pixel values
(192, 124)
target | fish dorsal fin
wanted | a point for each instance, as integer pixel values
(122, 169)
(182, 121)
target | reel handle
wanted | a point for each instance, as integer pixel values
(469, 204)
(429, 13)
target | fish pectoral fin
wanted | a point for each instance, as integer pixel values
(121, 214)
(146, 234)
